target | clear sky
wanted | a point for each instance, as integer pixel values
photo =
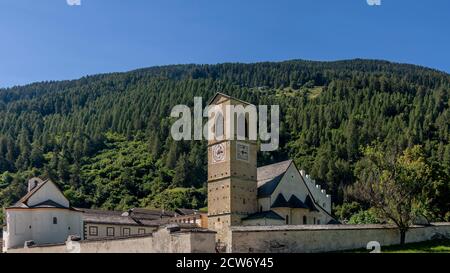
(50, 40)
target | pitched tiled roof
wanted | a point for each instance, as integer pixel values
(48, 204)
(22, 203)
(269, 187)
(150, 213)
(269, 177)
(280, 202)
(310, 203)
(186, 211)
(293, 202)
(265, 214)
(136, 216)
(268, 172)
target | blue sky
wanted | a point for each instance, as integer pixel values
(50, 40)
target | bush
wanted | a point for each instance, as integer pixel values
(345, 211)
(364, 217)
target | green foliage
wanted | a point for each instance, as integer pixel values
(171, 199)
(364, 217)
(105, 138)
(345, 211)
(394, 185)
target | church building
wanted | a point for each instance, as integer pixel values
(240, 193)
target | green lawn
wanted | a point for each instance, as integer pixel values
(435, 246)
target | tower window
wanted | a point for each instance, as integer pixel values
(305, 221)
(246, 129)
(260, 209)
(55, 220)
(287, 219)
(218, 126)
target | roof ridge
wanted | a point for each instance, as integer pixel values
(27, 196)
(277, 163)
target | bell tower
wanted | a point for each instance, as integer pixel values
(232, 165)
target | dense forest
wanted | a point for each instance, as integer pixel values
(105, 138)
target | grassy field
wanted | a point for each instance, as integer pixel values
(435, 246)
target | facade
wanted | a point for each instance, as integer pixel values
(293, 198)
(241, 194)
(232, 179)
(190, 216)
(104, 224)
(43, 216)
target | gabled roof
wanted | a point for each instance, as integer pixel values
(23, 202)
(310, 203)
(48, 204)
(268, 172)
(269, 177)
(226, 96)
(264, 215)
(269, 187)
(280, 202)
(293, 202)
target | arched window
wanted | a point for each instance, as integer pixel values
(218, 126)
(242, 127)
(260, 209)
(246, 129)
(305, 221)
(287, 219)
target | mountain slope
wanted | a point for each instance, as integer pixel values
(71, 130)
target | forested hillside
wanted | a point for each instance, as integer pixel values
(105, 139)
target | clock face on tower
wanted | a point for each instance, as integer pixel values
(218, 153)
(242, 151)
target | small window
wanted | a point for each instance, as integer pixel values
(141, 231)
(126, 231)
(318, 222)
(55, 220)
(243, 201)
(287, 219)
(314, 220)
(93, 231)
(305, 221)
(260, 209)
(110, 231)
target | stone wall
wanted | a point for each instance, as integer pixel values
(325, 238)
(164, 240)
